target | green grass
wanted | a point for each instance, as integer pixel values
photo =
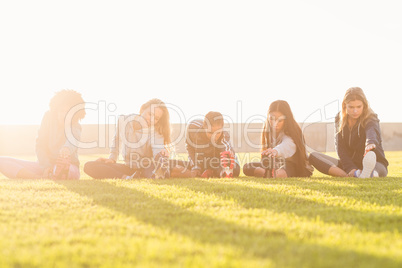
(243, 222)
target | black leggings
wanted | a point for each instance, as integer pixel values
(217, 169)
(249, 168)
(324, 162)
(101, 170)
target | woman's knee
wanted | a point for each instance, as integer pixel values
(383, 173)
(90, 167)
(281, 173)
(248, 170)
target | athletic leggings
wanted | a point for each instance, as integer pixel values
(10, 167)
(324, 162)
(101, 170)
(249, 168)
(217, 169)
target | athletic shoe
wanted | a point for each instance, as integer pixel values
(227, 163)
(161, 167)
(135, 175)
(369, 161)
(61, 168)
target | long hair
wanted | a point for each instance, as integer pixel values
(290, 128)
(352, 94)
(163, 125)
(67, 98)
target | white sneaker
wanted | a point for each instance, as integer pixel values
(369, 161)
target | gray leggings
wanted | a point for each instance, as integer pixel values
(10, 167)
(324, 162)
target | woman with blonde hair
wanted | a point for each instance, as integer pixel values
(358, 141)
(141, 140)
(55, 149)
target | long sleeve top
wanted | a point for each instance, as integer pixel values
(286, 147)
(135, 144)
(351, 143)
(52, 137)
(200, 148)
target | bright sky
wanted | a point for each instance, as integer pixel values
(200, 55)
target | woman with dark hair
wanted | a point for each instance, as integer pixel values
(141, 140)
(209, 149)
(56, 149)
(283, 151)
(358, 141)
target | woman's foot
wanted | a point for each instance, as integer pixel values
(369, 161)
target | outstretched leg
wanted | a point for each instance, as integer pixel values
(15, 168)
(326, 164)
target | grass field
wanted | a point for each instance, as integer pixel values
(242, 222)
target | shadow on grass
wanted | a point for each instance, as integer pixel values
(263, 244)
(372, 191)
(250, 197)
(375, 191)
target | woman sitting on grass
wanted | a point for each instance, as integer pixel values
(57, 154)
(283, 151)
(141, 140)
(209, 149)
(358, 141)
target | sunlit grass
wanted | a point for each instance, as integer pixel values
(243, 222)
